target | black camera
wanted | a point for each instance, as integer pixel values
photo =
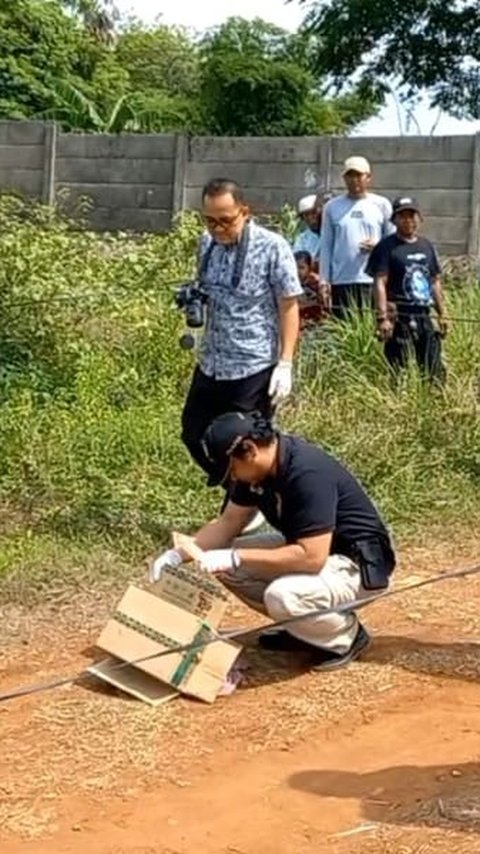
(192, 300)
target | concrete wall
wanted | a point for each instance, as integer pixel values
(273, 171)
(439, 171)
(138, 181)
(26, 163)
(128, 178)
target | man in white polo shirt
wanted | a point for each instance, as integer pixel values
(352, 225)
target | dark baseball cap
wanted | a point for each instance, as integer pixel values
(225, 434)
(405, 203)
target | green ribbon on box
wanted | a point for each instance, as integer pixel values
(190, 657)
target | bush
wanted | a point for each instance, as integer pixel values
(92, 382)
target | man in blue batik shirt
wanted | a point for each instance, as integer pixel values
(250, 278)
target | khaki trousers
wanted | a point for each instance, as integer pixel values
(295, 595)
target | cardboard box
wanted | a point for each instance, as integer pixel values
(182, 608)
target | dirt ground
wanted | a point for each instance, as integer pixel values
(381, 757)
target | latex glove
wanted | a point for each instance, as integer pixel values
(280, 382)
(217, 560)
(171, 558)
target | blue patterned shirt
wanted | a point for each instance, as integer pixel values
(308, 241)
(242, 334)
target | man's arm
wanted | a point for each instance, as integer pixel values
(325, 259)
(289, 322)
(437, 290)
(326, 247)
(380, 294)
(310, 505)
(216, 535)
(287, 287)
(437, 293)
(438, 301)
(307, 555)
(378, 267)
(221, 532)
(384, 320)
(387, 226)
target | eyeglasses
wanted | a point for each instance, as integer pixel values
(224, 222)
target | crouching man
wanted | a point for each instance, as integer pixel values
(331, 545)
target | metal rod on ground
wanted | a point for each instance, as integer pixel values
(354, 605)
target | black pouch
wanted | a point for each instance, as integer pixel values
(376, 562)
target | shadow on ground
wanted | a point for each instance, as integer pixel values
(432, 796)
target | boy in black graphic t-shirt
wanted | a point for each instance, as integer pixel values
(407, 284)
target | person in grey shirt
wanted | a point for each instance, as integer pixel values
(352, 225)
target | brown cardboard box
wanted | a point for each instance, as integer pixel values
(183, 607)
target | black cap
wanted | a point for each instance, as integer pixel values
(405, 203)
(224, 435)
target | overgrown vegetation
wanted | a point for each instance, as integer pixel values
(78, 63)
(92, 472)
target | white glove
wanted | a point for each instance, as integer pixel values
(170, 558)
(280, 382)
(217, 560)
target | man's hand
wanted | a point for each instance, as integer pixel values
(368, 244)
(384, 329)
(171, 558)
(313, 281)
(280, 382)
(217, 560)
(325, 291)
(443, 325)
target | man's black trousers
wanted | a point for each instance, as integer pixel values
(417, 335)
(208, 398)
(348, 298)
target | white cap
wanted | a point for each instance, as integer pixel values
(308, 203)
(356, 164)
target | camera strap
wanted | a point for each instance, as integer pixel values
(240, 258)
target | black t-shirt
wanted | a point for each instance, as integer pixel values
(312, 493)
(411, 268)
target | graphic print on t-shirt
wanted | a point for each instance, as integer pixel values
(417, 279)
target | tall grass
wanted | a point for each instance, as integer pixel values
(92, 381)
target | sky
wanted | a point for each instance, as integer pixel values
(209, 13)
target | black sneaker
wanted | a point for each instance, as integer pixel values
(321, 659)
(282, 641)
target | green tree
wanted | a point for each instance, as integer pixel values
(416, 45)
(39, 44)
(257, 80)
(98, 17)
(74, 111)
(163, 67)
(125, 114)
(65, 59)
(42, 48)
